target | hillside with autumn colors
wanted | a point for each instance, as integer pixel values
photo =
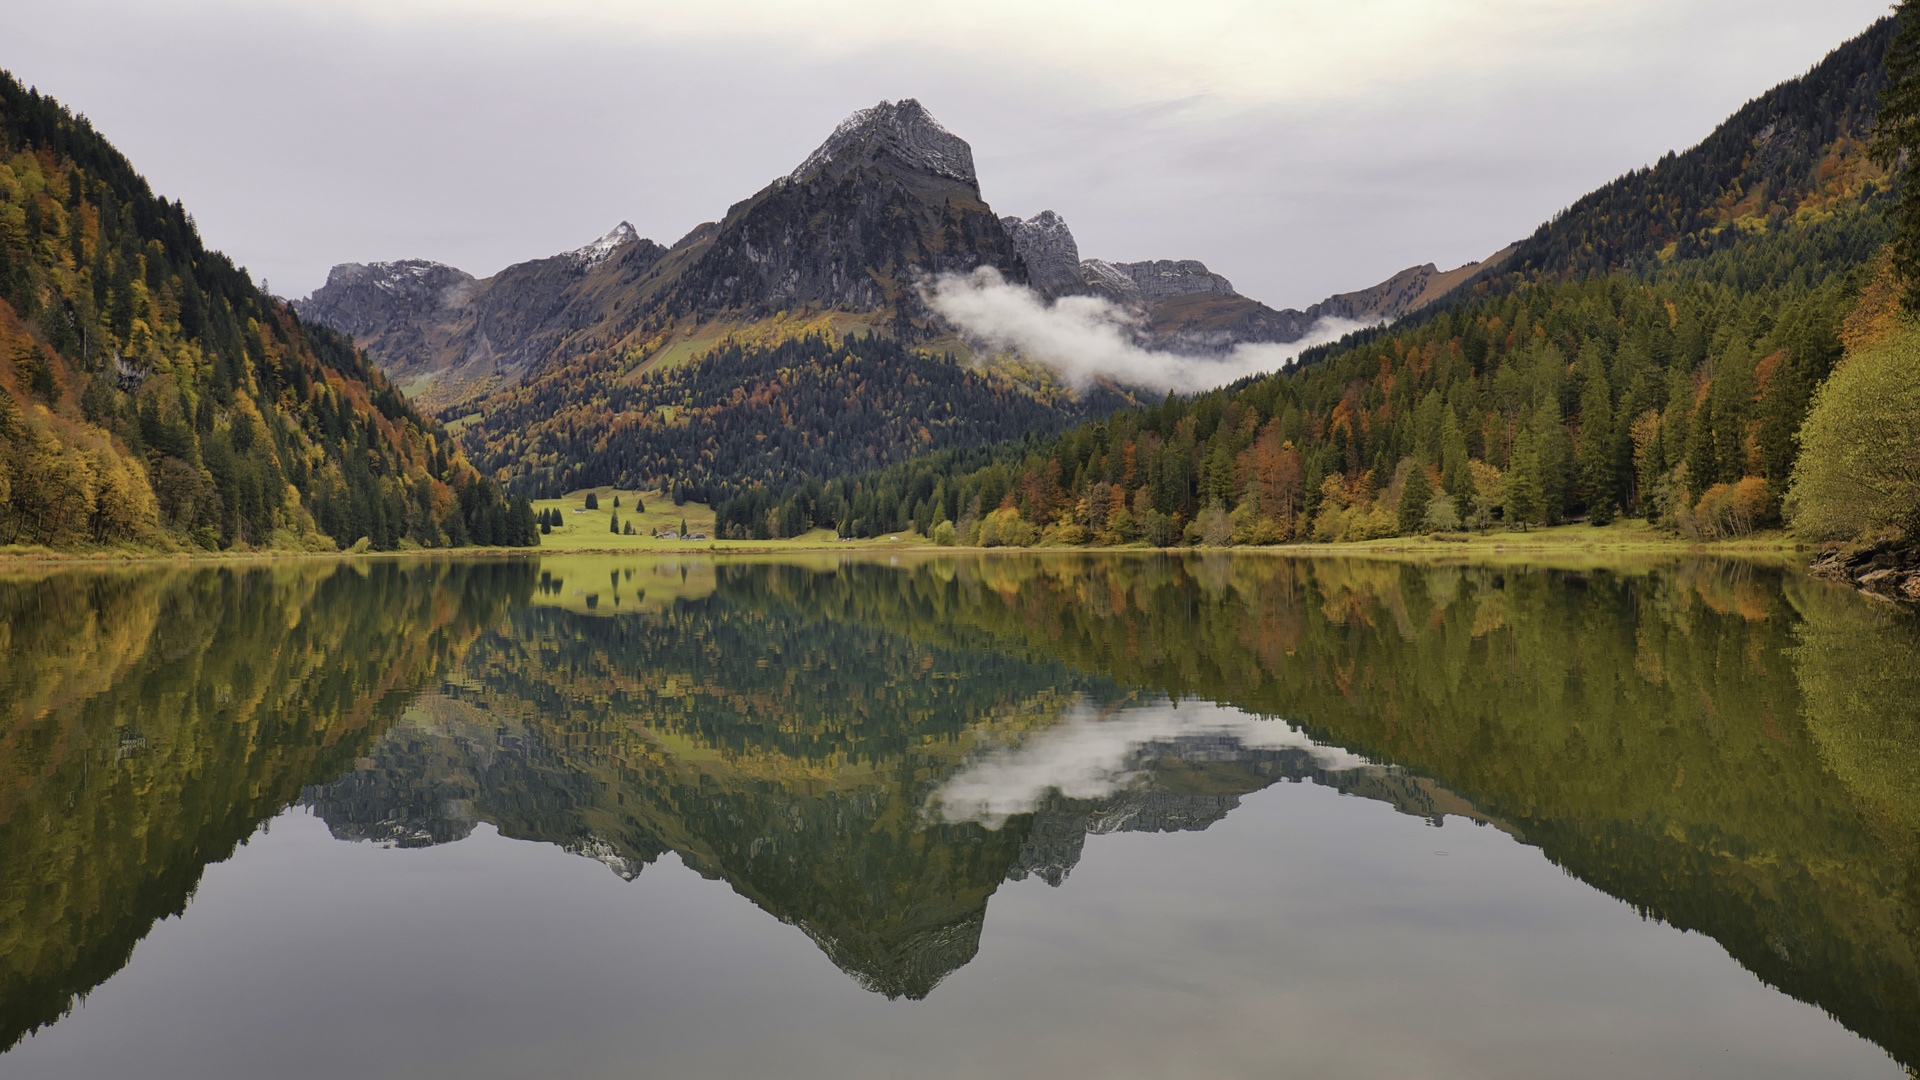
(1653, 351)
(153, 397)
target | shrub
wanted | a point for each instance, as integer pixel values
(1216, 529)
(1005, 526)
(1440, 516)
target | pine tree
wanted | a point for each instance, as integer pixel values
(1732, 396)
(1598, 479)
(613, 522)
(1524, 499)
(1455, 475)
(1703, 463)
(1414, 498)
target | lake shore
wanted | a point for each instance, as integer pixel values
(1627, 539)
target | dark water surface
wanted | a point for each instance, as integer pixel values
(1047, 816)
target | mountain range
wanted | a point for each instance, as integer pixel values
(889, 198)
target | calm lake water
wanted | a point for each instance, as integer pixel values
(1049, 816)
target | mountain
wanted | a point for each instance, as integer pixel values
(151, 395)
(571, 371)
(889, 195)
(1182, 306)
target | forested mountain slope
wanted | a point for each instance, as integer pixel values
(1676, 397)
(1790, 157)
(1651, 351)
(766, 416)
(151, 394)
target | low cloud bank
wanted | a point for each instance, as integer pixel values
(1085, 337)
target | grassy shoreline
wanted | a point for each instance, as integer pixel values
(1624, 540)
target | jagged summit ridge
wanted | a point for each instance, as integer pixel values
(595, 253)
(905, 131)
(403, 276)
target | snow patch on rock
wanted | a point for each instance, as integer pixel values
(905, 131)
(598, 251)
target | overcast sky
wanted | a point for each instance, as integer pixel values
(1299, 147)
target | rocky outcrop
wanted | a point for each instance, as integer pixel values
(399, 312)
(1887, 571)
(436, 326)
(1046, 245)
(1170, 279)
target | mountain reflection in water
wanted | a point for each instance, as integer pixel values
(868, 752)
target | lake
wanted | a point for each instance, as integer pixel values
(1047, 815)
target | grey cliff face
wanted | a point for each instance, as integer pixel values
(1167, 279)
(1111, 281)
(890, 195)
(1051, 255)
(361, 299)
(905, 132)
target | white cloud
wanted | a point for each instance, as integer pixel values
(1087, 337)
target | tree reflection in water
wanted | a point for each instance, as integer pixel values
(868, 751)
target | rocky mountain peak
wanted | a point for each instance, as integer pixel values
(363, 298)
(1048, 247)
(597, 252)
(903, 131)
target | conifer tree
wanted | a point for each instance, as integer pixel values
(1414, 498)
(1524, 499)
(1598, 479)
(1703, 462)
(1455, 475)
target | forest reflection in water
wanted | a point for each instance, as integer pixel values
(868, 751)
